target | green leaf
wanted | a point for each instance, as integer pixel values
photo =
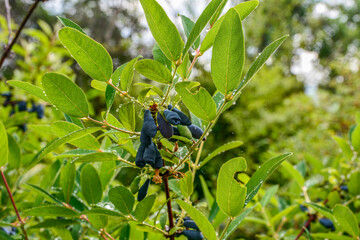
(103, 211)
(99, 85)
(261, 174)
(122, 199)
(4, 153)
(209, 198)
(51, 211)
(90, 183)
(230, 194)
(154, 70)
(188, 25)
(346, 219)
(201, 221)
(43, 193)
(355, 138)
(237, 221)
(321, 209)
(65, 95)
(127, 74)
(354, 183)
(219, 99)
(127, 116)
(294, 173)
(155, 89)
(110, 91)
(143, 208)
(200, 103)
(228, 55)
(49, 223)
(184, 67)
(91, 56)
(68, 23)
(67, 180)
(218, 12)
(223, 148)
(345, 147)
(97, 157)
(186, 184)
(261, 59)
(107, 171)
(163, 30)
(201, 22)
(330, 236)
(30, 88)
(268, 195)
(62, 128)
(159, 56)
(14, 154)
(283, 213)
(243, 9)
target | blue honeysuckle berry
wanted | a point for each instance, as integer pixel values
(159, 162)
(344, 188)
(196, 131)
(165, 127)
(22, 105)
(327, 223)
(150, 154)
(139, 159)
(188, 223)
(185, 120)
(193, 234)
(149, 126)
(172, 117)
(303, 208)
(143, 190)
(40, 110)
(145, 139)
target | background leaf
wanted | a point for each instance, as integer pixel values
(223, 148)
(186, 184)
(68, 23)
(90, 183)
(65, 95)
(3, 145)
(30, 88)
(67, 180)
(122, 199)
(346, 219)
(97, 157)
(51, 211)
(143, 208)
(127, 116)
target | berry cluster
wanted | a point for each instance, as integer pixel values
(192, 231)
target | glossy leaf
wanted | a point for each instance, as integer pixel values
(143, 208)
(188, 25)
(30, 88)
(347, 220)
(97, 157)
(122, 199)
(201, 22)
(51, 211)
(65, 95)
(127, 116)
(230, 194)
(127, 74)
(163, 30)
(354, 183)
(200, 103)
(110, 91)
(154, 70)
(62, 128)
(90, 183)
(243, 9)
(67, 180)
(91, 56)
(42, 192)
(159, 56)
(68, 23)
(261, 174)
(186, 184)
(201, 221)
(223, 148)
(4, 153)
(228, 56)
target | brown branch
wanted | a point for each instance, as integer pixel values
(170, 214)
(8, 48)
(8, 18)
(13, 203)
(311, 218)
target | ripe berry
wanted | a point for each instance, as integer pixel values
(196, 132)
(193, 235)
(172, 117)
(190, 224)
(327, 223)
(149, 126)
(139, 160)
(184, 119)
(165, 127)
(344, 188)
(143, 190)
(150, 154)
(159, 162)
(303, 208)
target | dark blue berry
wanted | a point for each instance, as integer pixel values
(176, 131)
(196, 131)
(150, 154)
(193, 235)
(190, 224)
(40, 109)
(185, 120)
(165, 127)
(159, 162)
(303, 208)
(344, 188)
(144, 138)
(327, 223)
(139, 159)
(172, 117)
(143, 190)
(149, 126)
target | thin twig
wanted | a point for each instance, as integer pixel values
(125, 94)
(311, 218)
(111, 126)
(170, 214)
(13, 203)
(8, 18)
(197, 54)
(225, 229)
(169, 87)
(8, 48)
